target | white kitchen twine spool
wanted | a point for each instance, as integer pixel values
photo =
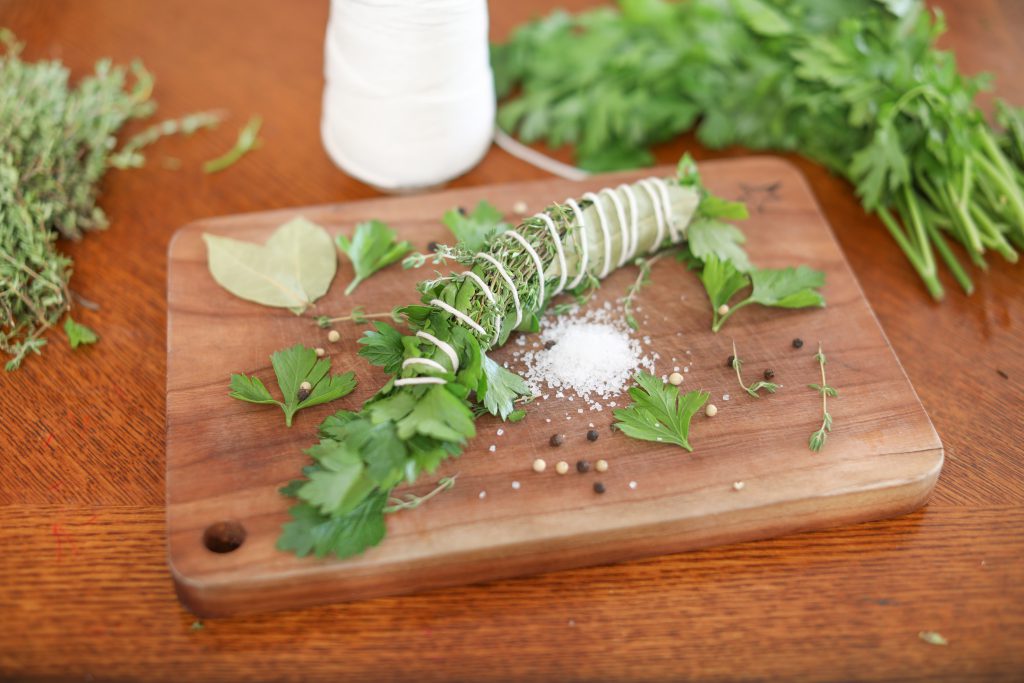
(409, 94)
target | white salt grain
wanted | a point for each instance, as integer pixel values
(492, 448)
(515, 485)
(483, 494)
(632, 485)
(594, 356)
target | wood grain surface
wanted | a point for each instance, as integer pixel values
(84, 589)
(226, 459)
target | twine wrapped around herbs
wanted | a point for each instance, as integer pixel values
(441, 377)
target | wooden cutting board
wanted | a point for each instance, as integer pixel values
(226, 459)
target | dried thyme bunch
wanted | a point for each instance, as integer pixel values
(56, 142)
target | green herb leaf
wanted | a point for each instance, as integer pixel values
(472, 231)
(707, 237)
(659, 412)
(311, 531)
(78, 333)
(293, 367)
(500, 388)
(383, 348)
(787, 287)
(248, 140)
(721, 280)
(438, 414)
(292, 270)
(251, 389)
(339, 484)
(712, 206)
(372, 247)
(762, 18)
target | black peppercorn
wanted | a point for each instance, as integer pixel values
(302, 395)
(729, 361)
(556, 440)
(462, 211)
(549, 343)
(598, 487)
(769, 373)
(582, 466)
(433, 246)
(797, 343)
(592, 435)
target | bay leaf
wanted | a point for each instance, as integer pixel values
(292, 270)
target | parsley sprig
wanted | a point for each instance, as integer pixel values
(755, 387)
(473, 230)
(372, 247)
(774, 287)
(659, 412)
(817, 441)
(293, 367)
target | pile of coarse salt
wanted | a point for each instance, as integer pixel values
(592, 355)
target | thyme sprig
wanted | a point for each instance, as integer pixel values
(817, 440)
(770, 387)
(643, 278)
(410, 501)
(359, 316)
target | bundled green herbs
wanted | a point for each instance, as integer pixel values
(854, 84)
(56, 143)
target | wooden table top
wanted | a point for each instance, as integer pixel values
(84, 588)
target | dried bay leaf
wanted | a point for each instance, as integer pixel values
(292, 270)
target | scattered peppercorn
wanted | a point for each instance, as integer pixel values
(333, 336)
(598, 487)
(302, 394)
(582, 466)
(723, 309)
(562, 467)
(306, 386)
(769, 373)
(549, 343)
(592, 435)
(462, 211)
(675, 379)
(797, 343)
(320, 353)
(729, 361)
(601, 465)
(556, 440)
(539, 465)
(433, 246)
(711, 410)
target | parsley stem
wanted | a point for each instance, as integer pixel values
(930, 278)
(949, 258)
(719, 320)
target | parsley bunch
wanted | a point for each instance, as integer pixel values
(856, 85)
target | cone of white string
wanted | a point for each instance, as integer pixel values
(409, 94)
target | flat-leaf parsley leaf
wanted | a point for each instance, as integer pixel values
(293, 367)
(371, 248)
(659, 412)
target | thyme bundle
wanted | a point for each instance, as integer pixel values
(441, 376)
(56, 143)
